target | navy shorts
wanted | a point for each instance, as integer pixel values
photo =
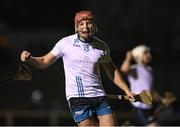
(83, 108)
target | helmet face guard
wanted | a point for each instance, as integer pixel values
(84, 15)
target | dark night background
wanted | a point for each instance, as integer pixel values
(37, 25)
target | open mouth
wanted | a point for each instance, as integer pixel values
(86, 32)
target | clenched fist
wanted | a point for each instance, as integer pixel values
(25, 56)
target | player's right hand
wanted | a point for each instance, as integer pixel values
(131, 96)
(25, 56)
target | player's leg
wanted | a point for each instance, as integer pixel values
(105, 113)
(140, 116)
(107, 120)
(91, 121)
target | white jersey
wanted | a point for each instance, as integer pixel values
(141, 79)
(81, 64)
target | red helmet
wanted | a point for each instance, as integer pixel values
(83, 15)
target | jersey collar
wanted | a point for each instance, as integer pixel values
(85, 41)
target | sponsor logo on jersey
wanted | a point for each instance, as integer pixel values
(76, 43)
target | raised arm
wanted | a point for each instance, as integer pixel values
(38, 62)
(114, 74)
(125, 67)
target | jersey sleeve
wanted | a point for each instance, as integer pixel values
(58, 49)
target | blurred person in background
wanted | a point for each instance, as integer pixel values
(140, 77)
(82, 55)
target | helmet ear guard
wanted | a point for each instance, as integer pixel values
(94, 31)
(95, 28)
(75, 28)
